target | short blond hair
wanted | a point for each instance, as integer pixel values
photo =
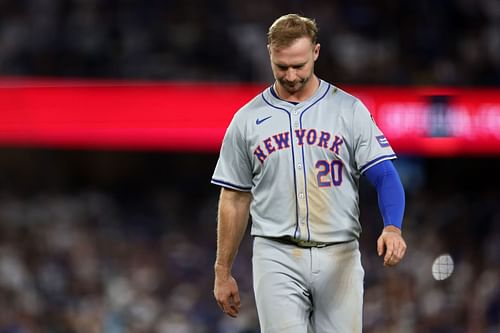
(287, 28)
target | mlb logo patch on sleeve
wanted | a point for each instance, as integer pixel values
(382, 141)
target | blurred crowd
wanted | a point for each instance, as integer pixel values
(99, 242)
(452, 42)
(127, 246)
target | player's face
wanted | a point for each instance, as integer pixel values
(293, 66)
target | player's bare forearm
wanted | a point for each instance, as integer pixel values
(392, 245)
(233, 217)
(232, 222)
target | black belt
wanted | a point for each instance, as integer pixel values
(301, 243)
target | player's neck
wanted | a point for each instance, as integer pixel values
(299, 96)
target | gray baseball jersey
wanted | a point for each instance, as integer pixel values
(302, 163)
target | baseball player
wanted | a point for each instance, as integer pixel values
(292, 159)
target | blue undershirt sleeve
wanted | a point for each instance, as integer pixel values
(391, 195)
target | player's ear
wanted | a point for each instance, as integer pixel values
(316, 51)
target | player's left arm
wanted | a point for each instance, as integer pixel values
(391, 201)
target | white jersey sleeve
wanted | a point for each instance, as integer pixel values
(370, 144)
(233, 169)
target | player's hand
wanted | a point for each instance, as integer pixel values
(391, 245)
(226, 294)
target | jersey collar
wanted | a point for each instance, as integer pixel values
(271, 95)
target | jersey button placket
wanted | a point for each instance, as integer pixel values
(301, 196)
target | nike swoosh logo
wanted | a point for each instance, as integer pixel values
(260, 121)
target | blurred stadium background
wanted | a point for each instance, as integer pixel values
(111, 115)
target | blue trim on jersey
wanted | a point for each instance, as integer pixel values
(293, 161)
(227, 184)
(372, 162)
(391, 195)
(304, 162)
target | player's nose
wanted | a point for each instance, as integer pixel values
(291, 75)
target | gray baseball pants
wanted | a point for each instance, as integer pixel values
(308, 290)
